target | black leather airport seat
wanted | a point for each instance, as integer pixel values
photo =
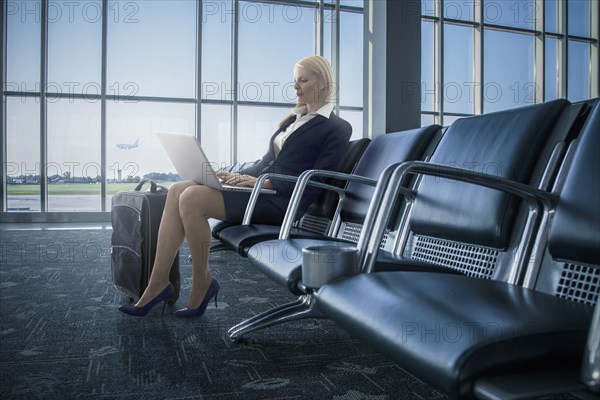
(382, 152)
(315, 222)
(522, 145)
(280, 259)
(216, 226)
(531, 141)
(476, 230)
(569, 270)
(470, 336)
(448, 330)
(317, 217)
(516, 144)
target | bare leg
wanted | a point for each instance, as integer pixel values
(196, 205)
(170, 239)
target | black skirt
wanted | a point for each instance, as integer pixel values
(269, 209)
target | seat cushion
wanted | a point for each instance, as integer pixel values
(281, 260)
(451, 329)
(241, 238)
(217, 226)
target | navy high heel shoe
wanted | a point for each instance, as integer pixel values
(163, 296)
(213, 291)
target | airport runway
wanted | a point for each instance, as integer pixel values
(59, 203)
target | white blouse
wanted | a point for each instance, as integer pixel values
(301, 118)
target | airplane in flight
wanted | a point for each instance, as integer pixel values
(129, 146)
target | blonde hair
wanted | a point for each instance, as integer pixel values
(322, 68)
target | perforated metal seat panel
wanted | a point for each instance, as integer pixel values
(315, 224)
(471, 260)
(351, 232)
(579, 283)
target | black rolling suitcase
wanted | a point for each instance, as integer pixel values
(135, 217)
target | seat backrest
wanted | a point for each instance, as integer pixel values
(473, 229)
(382, 152)
(318, 216)
(570, 266)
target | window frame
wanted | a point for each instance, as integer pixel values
(105, 96)
(538, 32)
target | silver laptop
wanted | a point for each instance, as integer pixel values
(191, 163)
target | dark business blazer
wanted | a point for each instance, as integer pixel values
(321, 143)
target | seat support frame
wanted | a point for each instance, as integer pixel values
(302, 308)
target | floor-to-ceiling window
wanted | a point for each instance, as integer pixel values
(87, 84)
(487, 55)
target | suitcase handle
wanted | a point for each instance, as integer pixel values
(154, 187)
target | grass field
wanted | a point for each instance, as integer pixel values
(66, 189)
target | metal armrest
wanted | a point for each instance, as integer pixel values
(290, 178)
(537, 200)
(256, 191)
(304, 180)
(380, 187)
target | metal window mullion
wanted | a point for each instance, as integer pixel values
(368, 79)
(438, 104)
(539, 75)
(563, 51)
(320, 28)
(3, 133)
(478, 73)
(286, 2)
(595, 53)
(511, 29)
(103, 116)
(108, 97)
(43, 108)
(199, 5)
(461, 22)
(585, 39)
(257, 103)
(336, 55)
(234, 80)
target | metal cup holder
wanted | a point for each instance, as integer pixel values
(323, 264)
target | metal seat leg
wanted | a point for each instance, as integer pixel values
(590, 374)
(302, 308)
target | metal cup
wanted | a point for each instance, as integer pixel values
(323, 264)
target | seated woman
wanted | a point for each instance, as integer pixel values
(311, 138)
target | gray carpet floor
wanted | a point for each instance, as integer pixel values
(62, 337)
